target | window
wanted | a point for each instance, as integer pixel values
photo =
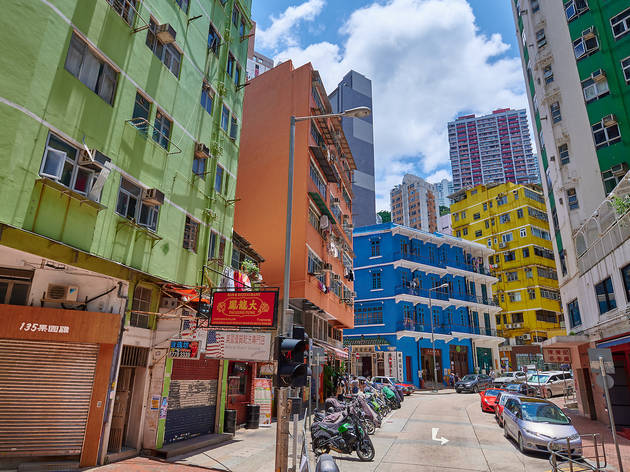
(574, 313)
(313, 218)
(547, 273)
(456, 216)
(168, 54)
(625, 275)
(625, 67)
(214, 40)
(235, 16)
(501, 200)
(594, 89)
(517, 317)
(237, 75)
(183, 4)
(15, 285)
(585, 44)
(241, 28)
(89, 68)
(529, 273)
(525, 252)
(60, 164)
(523, 232)
(541, 40)
(509, 256)
(478, 233)
(546, 316)
(485, 206)
(191, 234)
(126, 9)
(550, 294)
(230, 65)
(606, 133)
(222, 242)
(487, 224)
(515, 296)
(574, 8)
(140, 306)
(542, 252)
(162, 129)
(212, 248)
(207, 98)
(572, 199)
(504, 218)
(537, 197)
(375, 244)
(225, 118)
(458, 233)
(317, 180)
(620, 24)
(141, 112)
(368, 315)
(531, 293)
(556, 116)
(233, 128)
(511, 276)
(515, 193)
(563, 153)
(199, 167)
(506, 237)
(489, 242)
(463, 214)
(376, 280)
(218, 179)
(613, 176)
(605, 296)
(519, 213)
(540, 233)
(476, 216)
(535, 6)
(539, 215)
(465, 230)
(130, 205)
(548, 74)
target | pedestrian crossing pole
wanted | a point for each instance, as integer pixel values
(282, 432)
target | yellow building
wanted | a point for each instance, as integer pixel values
(512, 219)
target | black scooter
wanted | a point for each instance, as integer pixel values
(344, 435)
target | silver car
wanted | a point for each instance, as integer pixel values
(534, 423)
(553, 383)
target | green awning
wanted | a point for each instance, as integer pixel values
(321, 204)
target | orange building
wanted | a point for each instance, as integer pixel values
(321, 288)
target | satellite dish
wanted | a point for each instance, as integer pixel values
(323, 222)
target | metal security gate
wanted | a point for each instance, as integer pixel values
(45, 391)
(192, 399)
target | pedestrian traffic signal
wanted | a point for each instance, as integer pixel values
(292, 370)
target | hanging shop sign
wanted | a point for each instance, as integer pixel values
(557, 356)
(239, 345)
(184, 349)
(244, 309)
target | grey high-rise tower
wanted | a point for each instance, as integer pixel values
(353, 91)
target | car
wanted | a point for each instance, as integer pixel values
(407, 389)
(510, 377)
(548, 384)
(535, 423)
(521, 388)
(473, 383)
(488, 399)
(499, 403)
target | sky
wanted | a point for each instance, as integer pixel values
(429, 61)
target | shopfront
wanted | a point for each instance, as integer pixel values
(620, 392)
(459, 360)
(55, 370)
(484, 360)
(240, 389)
(427, 364)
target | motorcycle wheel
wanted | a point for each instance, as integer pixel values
(369, 426)
(365, 450)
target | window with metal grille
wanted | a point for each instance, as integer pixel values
(140, 307)
(620, 24)
(191, 234)
(134, 356)
(605, 296)
(126, 9)
(563, 153)
(168, 54)
(556, 116)
(606, 133)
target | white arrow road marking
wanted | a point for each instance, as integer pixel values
(434, 432)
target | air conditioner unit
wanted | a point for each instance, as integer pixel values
(97, 163)
(527, 337)
(201, 151)
(166, 33)
(68, 293)
(588, 33)
(327, 266)
(168, 303)
(153, 196)
(206, 86)
(619, 170)
(334, 200)
(599, 75)
(552, 158)
(517, 325)
(609, 120)
(502, 245)
(508, 326)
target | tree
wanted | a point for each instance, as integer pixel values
(385, 215)
(444, 210)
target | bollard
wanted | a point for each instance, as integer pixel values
(326, 463)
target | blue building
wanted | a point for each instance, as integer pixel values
(405, 281)
(355, 90)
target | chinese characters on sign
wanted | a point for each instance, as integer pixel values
(244, 309)
(184, 349)
(557, 356)
(42, 328)
(238, 345)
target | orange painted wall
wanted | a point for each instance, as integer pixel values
(260, 214)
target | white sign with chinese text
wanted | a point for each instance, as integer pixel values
(239, 345)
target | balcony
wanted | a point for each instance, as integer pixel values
(421, 292)
(444, 331)
(417, 262)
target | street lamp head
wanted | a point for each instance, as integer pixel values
(358, 112)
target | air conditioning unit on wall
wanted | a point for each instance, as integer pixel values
(69, 293)
(166, 33)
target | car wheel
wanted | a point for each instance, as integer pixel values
(476, 389)
(506, 434)
(521, 445)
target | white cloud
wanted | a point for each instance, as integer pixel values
(439, 176)
(428, 63)
(282, 29)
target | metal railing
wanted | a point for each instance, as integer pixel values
(444, 328)
(592, 457)
(409, 289)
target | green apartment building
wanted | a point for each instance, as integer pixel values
(119, 149)
(576, 61)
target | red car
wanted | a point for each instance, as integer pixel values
(499, 404)
(488, 399)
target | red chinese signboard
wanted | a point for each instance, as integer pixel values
(249, 309)
(557, 356)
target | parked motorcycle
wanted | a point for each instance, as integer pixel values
(344, 434)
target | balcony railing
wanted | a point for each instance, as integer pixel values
(407, 289)
(445, 328)
(420, 259)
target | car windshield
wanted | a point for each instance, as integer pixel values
(508, 374)
(513, 387)
(469, 378)
(503, 399)
(491, 393)
(540, 412)
(537, 378)
(394, 379)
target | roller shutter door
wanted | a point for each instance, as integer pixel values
(192, 399)
(45, 391)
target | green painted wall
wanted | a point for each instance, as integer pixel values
(37, 93)
(609, 56)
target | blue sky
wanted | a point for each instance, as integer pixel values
(429, 61)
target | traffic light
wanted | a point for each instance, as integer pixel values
(292, 370)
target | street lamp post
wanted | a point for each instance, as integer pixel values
(359, 112)
(433, 335)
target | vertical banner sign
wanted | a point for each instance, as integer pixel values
(263, 397)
